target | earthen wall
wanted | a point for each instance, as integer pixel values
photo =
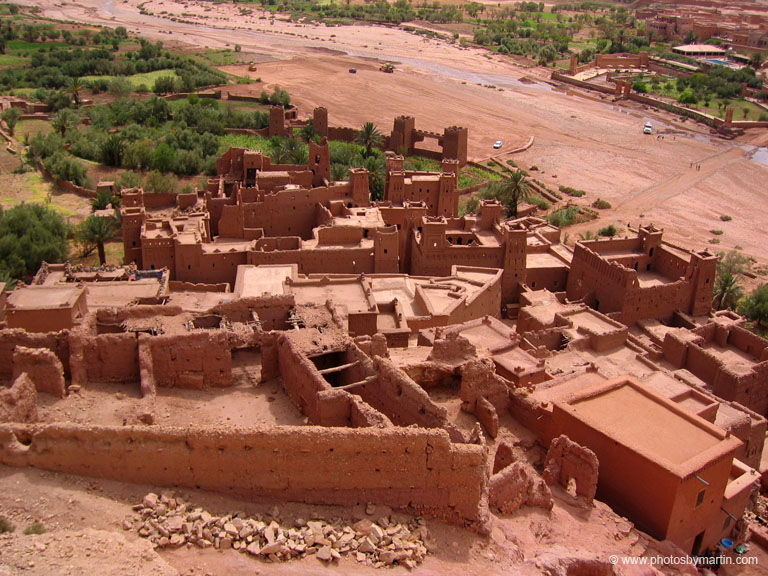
(415, 468)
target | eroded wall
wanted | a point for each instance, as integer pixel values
(415, 468)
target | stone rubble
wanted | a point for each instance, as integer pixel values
(169, 522)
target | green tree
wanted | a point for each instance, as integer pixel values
(755, 307)
(98, 231)
(369, 138)
(29, 235)
(104, 198)
(75, 88)
(11, 117)
(511, 191)
(756, 60)
(726, 292)
(308, 133)
(112, 150)
(63, 120)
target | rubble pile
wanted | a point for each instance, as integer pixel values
(169, 522)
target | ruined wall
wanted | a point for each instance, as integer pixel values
(398, 397)
(414, 468)
(18, 403)
(43, 367)
(57, 342)
(196, 360)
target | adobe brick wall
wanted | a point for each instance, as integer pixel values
(404, 468)
(194, 360)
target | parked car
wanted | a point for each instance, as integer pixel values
(648, 128)
(498, 144)
(353, 70)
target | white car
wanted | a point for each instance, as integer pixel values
(648, 128)
(498, 144)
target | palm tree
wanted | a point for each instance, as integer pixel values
(376, 166)
(98, 231)
(308, 133)
(512, 191)
(64, 120)
(75, 88)
(339, 172)
(727, 292)
(369, 137)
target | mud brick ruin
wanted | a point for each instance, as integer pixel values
(390, 352)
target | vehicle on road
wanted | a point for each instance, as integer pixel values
(498, 144)
(648, 128)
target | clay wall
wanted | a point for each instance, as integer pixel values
(437, 261)
(748, 342)
(655, 301)
(300, 379)
(669, 264)
(104, 357)
(688, 519)
(416, 468)
(57, 342)
(156, 200)
(42, 320)
(398, 397)
(342, 134)
(197, 360)
(271, 310)
(195, 265)
(590, 274)
(339, 260)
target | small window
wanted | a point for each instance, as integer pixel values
(700, 498)
(727, 523)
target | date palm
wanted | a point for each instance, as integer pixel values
(369, 138)
(97, 230)
(726, 292)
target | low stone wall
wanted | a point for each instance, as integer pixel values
(411, 468)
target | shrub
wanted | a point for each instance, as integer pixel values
(538, 201)
(725, 218)
(34, 528)
(564, 216)
(5, 525)
(160, 183)
(129, 180)
(63, 167)
(714, 240)
(608, 231)
(601, 204)
(717, 232)
(571, 191)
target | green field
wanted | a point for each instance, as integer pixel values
(244, 141)
(147, 79)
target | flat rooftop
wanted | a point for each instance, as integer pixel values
(253, 281)
(544, 260)
(698, 49)
(644, 423)
(121, 293)
(42, 297)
